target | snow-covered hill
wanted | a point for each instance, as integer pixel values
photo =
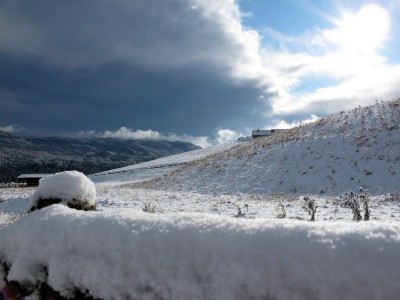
(357, 148)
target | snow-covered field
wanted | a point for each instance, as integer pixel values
(111, 197)
(209, 227)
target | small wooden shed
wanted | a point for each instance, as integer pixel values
(31, 179)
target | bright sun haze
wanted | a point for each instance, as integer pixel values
(363, 32)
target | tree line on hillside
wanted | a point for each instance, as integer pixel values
(26, 155)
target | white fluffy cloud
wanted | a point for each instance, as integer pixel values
(127, 133)
(9, 128)
(282, 124)
(226, 136)
(222, 136)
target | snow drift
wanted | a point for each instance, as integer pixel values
(125, 254)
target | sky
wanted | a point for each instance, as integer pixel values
(203, 71)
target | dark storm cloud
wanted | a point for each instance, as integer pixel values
(96, 65)
(111, 96)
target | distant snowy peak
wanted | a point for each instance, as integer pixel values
(356, 148)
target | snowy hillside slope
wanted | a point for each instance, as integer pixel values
(155, 168)
(357, 148)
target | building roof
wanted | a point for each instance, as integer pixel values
(25, 176)
(261, 132)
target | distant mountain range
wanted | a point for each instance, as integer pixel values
(20, 154)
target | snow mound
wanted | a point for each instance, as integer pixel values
(125, 254)
(71, 188)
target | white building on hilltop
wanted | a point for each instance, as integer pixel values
(260, 133)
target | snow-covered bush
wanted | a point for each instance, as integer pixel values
(149, 208)
(395, 196)
(71, 188)
(240, 213)
(363, 197)
(310, 207)
(366, 211)
(280, 211)
(354, 201)
(355, 208)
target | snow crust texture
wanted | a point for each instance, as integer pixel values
(125, 254)
(359, 148)
(70, 187)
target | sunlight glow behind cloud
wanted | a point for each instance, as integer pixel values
(346, 55)
(363, 32)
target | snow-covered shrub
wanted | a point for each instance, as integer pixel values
(355, 208)
(394, 103)
(394, 196)
(149, 208)
(364, 198)
(352, 200)
(71, 188)
(310, 207)
(280, 211)
(240, 213)
(366, 211)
